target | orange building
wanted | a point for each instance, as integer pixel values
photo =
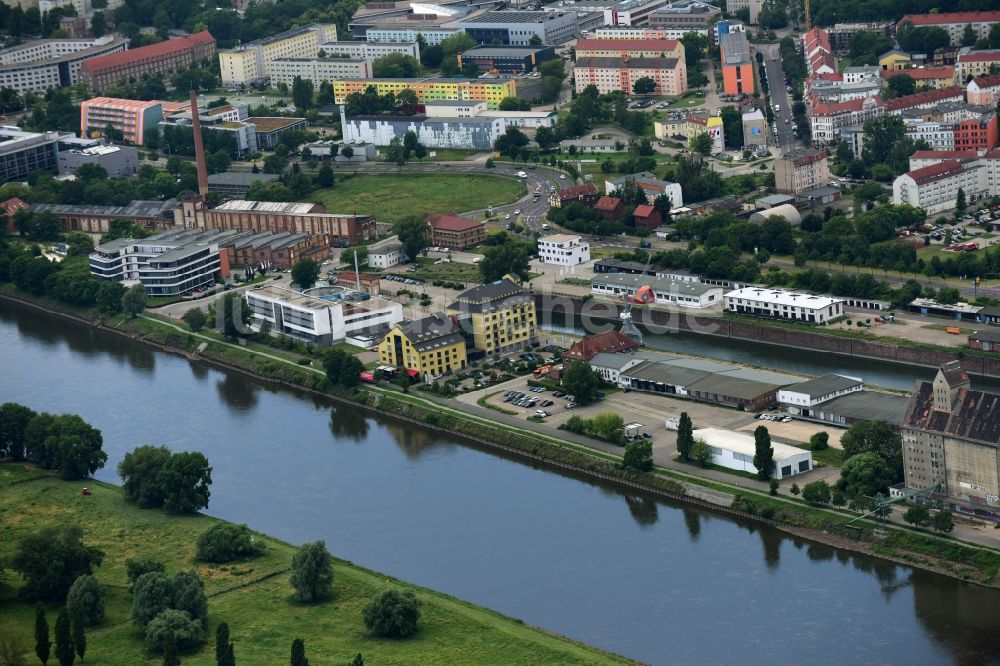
(131, 117)
(737, 66)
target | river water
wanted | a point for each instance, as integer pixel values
(661, 583)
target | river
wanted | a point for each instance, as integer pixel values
(647, 579)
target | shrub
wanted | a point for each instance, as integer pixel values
(701, 453)
(151, 595)
(774, 486)
(187, 632)
(86, 600)
(819, 441)
(225, 542)
(817, 492)
(393, 614)
(137, 566)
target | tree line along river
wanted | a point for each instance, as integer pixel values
(651, 580)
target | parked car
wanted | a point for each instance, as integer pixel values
(541, 413)
(570, 405)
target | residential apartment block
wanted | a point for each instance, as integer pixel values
(388, 33)
(950, 438)
(432, 346)
(563, 250)
(501, 314)
(318, 70)
(478, 133)
(984, 90)
(841, 34)
(251, 62)
(818, 52)
(39, 65)
(130, 117)
(491, 91)
(784, 304)
(370, 50)
(621, 74)
(629, 48)
(650, 185)
(828, 120)
(935, 188)
(975, 63)
(802, 169)
(954, 23)
(160, 59)
(737, 66)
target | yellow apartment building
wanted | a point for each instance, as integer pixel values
(433, 345)
(502, 315)
(431, 89)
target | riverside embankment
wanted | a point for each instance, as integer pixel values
(410, 501)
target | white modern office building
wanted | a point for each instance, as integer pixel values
(682, 293)
(433, 35)
(167, 264)
(818, 389)
(317, 320)
(736, 450)
(784, 304)
(518, 27)
(386, 253)
(563, 250)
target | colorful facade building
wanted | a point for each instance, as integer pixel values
(160, 59)
(130, 117)
(737, 66)
(251, 62)
(501, 314)
(630, 48)
(954, 23)
(431, 89)
(431, 346)
(621, 74)
(976, 63)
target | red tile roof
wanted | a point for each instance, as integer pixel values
(816, 37)
(945, 155)
(611, 342)
(452, 222)
(987, 81)
(929, 174)
(631, 45)
(986, 55)
(643, 210)
(952, 17)
(918, 74)
(608, 203)
(837, 108)
(13, 205)
(157, 50)
(928, 97)
(578, 191)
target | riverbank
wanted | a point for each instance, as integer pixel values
(824, 525)
(253, 596)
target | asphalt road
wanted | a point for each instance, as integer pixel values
(784, 138)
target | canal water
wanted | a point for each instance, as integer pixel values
(661, 583)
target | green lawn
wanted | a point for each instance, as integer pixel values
(390, 197)
(449, 271)
(829, 456)
(252, 596)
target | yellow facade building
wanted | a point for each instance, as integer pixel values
(501, 314)
(894, 59)
(432, 89)
(250, 62)
(432, 346)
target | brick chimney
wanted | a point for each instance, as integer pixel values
(199, 148)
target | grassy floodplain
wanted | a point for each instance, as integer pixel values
(253, 596)
(390, 197)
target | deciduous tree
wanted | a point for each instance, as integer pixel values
(942, 522)
(14, 420)
(226, 542)
(701, 453)
(499, 260)
(876, 437)
(50, 559)
(918, 516)
(393, 614)
(305, 272)
(195, 319)
(639, 455)
(581, 381)
(817, 492)
(865, 474)
(86, 600)
(186, 478)
(134, 300)
(312, 572)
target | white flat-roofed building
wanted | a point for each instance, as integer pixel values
(784, 304)
(665, 290)
(370, 50)
(319, 321)
(454, 108)
(736, 450)
(51, 63)
(167, 264)
(935, 188)
(563, 250)
(819, 389)
(433, 35)
(386, 253)
(318, 70)
(118, 161)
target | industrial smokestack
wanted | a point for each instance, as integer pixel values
(199, 148)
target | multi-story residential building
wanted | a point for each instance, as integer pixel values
(168, 264)
(386, 253)
(160, 59)
(621, 74)
(563, 250)
(632, 12)
(818, 52)
(784, 304)
(250, 63)
(954, 23)
(983, 91)
(690, 126)
(846, 86)
(585, 195)
(629, 48)
(370, 50)
(258, 216)
(935, 188)
(841, 34)
(501, 314)
(318, 70)
(801, 169)
(737, 66)
(927, 100)
(150, 215)
(432, 346)
(130, 117)
(392, 32)
(492, 91)
(681, 16)
(827, 120)
(752, 6)
(23, 153)
(52, 63)
(938, 135)
(666, 290)
(455, 232)
(277, 251)
(304, 317)
(976, 63)
(650, 185)
(518, 27)
(269, 130)
(478, 133)
(118, 161)
(231, 119)
(978, 132)
(506, 59)
(931, 77)
(950, 439)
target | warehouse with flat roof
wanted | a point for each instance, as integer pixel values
(736, 450)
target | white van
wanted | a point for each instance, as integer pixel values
(673, 423)
(522, 174)
(545, 227)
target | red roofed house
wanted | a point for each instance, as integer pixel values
(932, 77)
(585, 195)
(368, 283)
(164, 58)
(954, 23)
(828, 119)
(923, 158)
(647, 217)
(587, 348)
(609, 207)
(975, 63)
(984, 91)
(629, 48)
(935, 188)
(926, 100)
(817, 52)
(10, 208)
(455, 231)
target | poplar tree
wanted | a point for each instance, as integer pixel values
(299, 653)
(763, 458)
(79, 624)
(224, 653)
(685, 437)
(170, 657)
(64, 639)
(43, 645)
